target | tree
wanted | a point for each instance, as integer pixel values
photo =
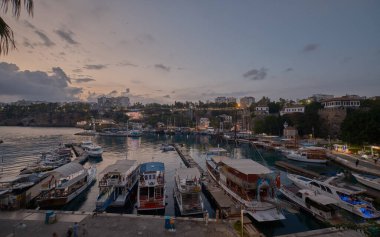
(7, 40)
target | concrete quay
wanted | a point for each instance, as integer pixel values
(31, 223)
(349, 162)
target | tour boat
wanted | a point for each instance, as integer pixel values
(251, 184)
(368, 180)
(187, 191)
(94, 151)
(65, 183)
(320, 206)
(117, 183)
(151, 187)
(346, 195)
(311, 155)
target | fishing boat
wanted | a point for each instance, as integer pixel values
(151, 187)
(308, 154)
(167, 147)
(117, 182)
(347, 196)
(65, 184)
(368, 180)
(187, 191)
(249, 183)
(320, 206)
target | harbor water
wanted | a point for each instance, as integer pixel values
(22, 145)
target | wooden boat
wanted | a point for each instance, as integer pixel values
(187, 191)
(151, 187)
(249, 183)
(346, 195)
(367, 180)
(117, 182)
(66, 183)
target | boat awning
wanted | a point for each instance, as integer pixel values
(152, 166)
(246, 166)
(121, 166)
(68, 169)
(188, 173)
(267, 215)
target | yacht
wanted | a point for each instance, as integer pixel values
(368, 180)
(187, 191)
(311, 155)
(345, 195)
(249, 183)
(94, 151)
(320, 206)
(117, 182)
(65, 184)
(167, 147)
(151, 187)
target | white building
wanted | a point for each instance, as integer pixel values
(220, 100)
(293, 109)
(226, 118)
(262, 109)
(320, 97)
(231, 100)
(247, 101)
(342, 102)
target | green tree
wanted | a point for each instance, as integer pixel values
(7, 40)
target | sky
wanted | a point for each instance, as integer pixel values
(178, 50)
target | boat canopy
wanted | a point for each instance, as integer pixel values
(152, 166)
(121, 166)
(188, 173)
(244, 166)
(68, 169)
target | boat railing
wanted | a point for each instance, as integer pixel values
(190, 188)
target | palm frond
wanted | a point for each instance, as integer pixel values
(16, 6)
(6, 38)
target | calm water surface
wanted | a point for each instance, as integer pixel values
(22, 145)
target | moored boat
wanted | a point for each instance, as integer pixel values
(368, 180)
(249, 183)
(167, 147)
(65, 184)
(94, 151)
(308, 154)
(347, 196)
(117, 182)
(151, 187)
(187, 191)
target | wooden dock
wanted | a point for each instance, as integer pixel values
(225, 205)
(81, 155)
(295, 169)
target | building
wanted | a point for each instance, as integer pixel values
(292, 109)
(247, 101)
(348, 101)
(204, 123)
(320, 97)
(231, 100)
(120, 102)
(262, 109)
(220, 100)
(225, 118)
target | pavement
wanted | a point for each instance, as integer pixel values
(349, 161)
(27, 223)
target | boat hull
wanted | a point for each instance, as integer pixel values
(368, 182)
(301, 159)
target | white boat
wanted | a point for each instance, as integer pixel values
(311, 155)
(346, 195)
(94, 150)
(187, 191)
(117, 183)
(216, 151)
(167, 147)
(65, 184)
(320, 206)
(86, 144)
(113, 132)
(151, 187)
(369, 181)
(249, 183)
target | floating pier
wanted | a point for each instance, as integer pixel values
(296, 169)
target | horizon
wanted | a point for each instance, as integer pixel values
(166, 51)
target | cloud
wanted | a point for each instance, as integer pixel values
(167, 96)
(29, 25)
(36, 85)
(66, 36)
(126, 64)
(95, 66)
(310, 47)
(289, 69)
(45, 39)
(136, 82)
(162, 67)
(145, 38)
(27, 43)
(256, 74)
(83, 80)
(77, 70)
(173, 92)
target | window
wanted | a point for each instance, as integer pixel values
(328, 190)
(315, 184)
(323, 188)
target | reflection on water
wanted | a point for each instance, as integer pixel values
(24, 143)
